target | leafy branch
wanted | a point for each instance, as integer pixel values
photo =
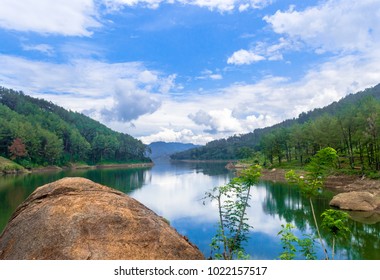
(233, 200)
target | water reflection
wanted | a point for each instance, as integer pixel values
(177, 194)
(175, 191)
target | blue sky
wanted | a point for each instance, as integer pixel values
(189, 70)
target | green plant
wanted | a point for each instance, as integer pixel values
(290, 243)
(310, 187)
(313, 181)
(335, 222)
(322, 163)
(307, 246)
(232, 200)
(288, 240)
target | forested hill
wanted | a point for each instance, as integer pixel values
(351, 126)
(35, 132)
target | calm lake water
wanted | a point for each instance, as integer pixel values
(175, 191)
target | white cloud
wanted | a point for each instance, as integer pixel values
(243, 7)
(130, 102)
(201, 118)
(228, 5)
(261, 104)
(82, 17)
(253, 122)
(118, 4)
(333, 25)
(166, 84)
(172, 135)
(219, 5)
(43, 48)
(129, 91)
(336, 26)
(263, 51)
(279, 98)
(147, 77)
(122, 91)
(216, 77)
(64, 17)
(207, 74)
(244, 57)
(217, 121)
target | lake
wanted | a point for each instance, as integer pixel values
(175, 191)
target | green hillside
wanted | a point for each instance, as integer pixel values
(35, 132)
(351, 126)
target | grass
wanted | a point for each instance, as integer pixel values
(8, 166)
(344, 169)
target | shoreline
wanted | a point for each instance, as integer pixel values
(80, 167)
(338, 183)
(356, 194)
(204, 160)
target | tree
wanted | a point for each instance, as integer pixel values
(53, 135)
(335, 222)
(311, 183)
(233, 200)
(51, 148)
(17, 149)
(290, 242)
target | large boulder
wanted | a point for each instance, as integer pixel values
(75, 218)
(356, 201)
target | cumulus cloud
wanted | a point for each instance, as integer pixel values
(119, 91)
(201, 118)
(263, 51)
(172, 135)
(334, 25)
(130, 103)
(82, 17)
(64, 17)
(281, 98)
(266, 102)
(244, 57)
(216, 121)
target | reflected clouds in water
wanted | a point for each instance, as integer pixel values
(179, 195)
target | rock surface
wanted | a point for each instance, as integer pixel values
(75, 218)
(356, 201)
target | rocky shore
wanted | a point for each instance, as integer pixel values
(354, 193)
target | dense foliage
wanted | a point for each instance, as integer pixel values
(350, 126)
(35, 132)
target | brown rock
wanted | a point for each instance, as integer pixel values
(356, 201)
(75, 218)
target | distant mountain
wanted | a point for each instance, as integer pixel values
(35, 132)
(162, 150)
